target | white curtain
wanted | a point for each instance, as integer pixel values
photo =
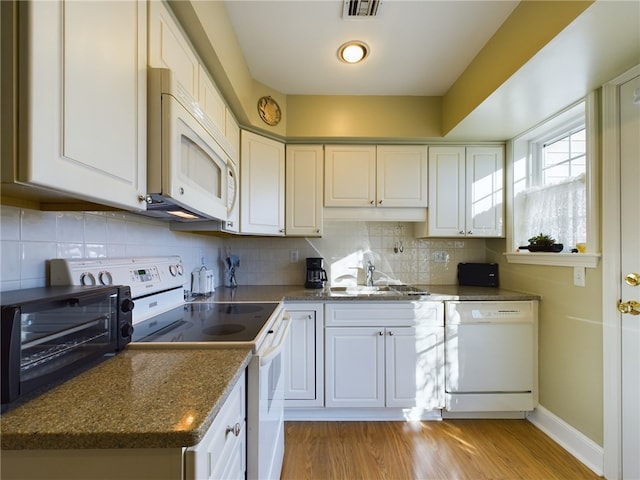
(558, 210)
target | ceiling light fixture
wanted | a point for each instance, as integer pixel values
(353, 52)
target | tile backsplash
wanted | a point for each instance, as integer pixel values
(30, 237)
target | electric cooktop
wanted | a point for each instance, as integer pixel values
(206, 322)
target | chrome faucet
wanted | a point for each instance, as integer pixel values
(370, 269)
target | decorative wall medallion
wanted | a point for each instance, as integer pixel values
(269, 111)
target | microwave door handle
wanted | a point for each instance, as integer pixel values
(274, 350)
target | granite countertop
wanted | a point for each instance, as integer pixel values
(138, 399)
(296, 293)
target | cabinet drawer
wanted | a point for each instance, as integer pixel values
(218, 446)
(382, 313)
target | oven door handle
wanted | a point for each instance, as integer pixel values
(274, 350)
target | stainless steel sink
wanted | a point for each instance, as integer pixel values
(362, 290)
(365, 290)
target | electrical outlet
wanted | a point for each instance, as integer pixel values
(579, 276)
(440, 256)
(293, 256)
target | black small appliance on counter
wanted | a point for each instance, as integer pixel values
(48, 333)
(316, 275)
(478, 274)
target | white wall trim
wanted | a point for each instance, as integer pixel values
(611, 274)
(572, 440)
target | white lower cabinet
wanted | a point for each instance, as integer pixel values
(303, 385)
(387, 354)
(222, 453)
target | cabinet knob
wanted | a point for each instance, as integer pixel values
(371, 202)
(233, 429)
(391, 334)
(470, 232)
(380, 334)
(461, 232)
(379, 202)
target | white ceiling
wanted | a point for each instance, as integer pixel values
(418, 47)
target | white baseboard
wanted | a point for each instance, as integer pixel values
(358, 414)
(575, 442)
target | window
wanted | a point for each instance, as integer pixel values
(550, 174)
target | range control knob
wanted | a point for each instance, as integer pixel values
(105, 278)
(173, 270)
(180, 269)
(87, 279)
(127, 305)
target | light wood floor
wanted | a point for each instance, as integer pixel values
(450, 449)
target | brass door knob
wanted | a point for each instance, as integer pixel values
(632, 307)
(632, 279)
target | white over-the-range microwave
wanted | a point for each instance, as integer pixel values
(189, 175)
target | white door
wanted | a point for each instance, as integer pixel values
(630, 262)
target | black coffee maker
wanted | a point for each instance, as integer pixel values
(316, 275)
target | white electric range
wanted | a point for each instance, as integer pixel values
(162, 318)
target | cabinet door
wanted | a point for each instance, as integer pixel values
(232, 132)
(446, 214)
(300, 383)
(261, 185)
(169, 48)
(401, 172)
(484, 192)
(83, 128)
(304, 173)
(350, 176)
(212, 104)
(415, 367)
(354, 367)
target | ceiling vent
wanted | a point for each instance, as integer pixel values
(360, 8)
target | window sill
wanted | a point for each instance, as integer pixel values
(588, 260)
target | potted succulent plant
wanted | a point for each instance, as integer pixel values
(543, 243)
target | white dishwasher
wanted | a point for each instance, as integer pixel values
(491, 356)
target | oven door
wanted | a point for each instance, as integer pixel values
(265, 415)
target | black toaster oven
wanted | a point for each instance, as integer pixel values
(47, 333)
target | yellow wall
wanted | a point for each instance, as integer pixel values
(363, 117)
(530, 27)
(570, 338)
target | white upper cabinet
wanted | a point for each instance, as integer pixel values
(350, 176)
(303, 196)
(232, 132)
(401, 176)
(82, 123)
(370, 176)
(466, 192)
(211, 101)
(169, 47)
(262, 164)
